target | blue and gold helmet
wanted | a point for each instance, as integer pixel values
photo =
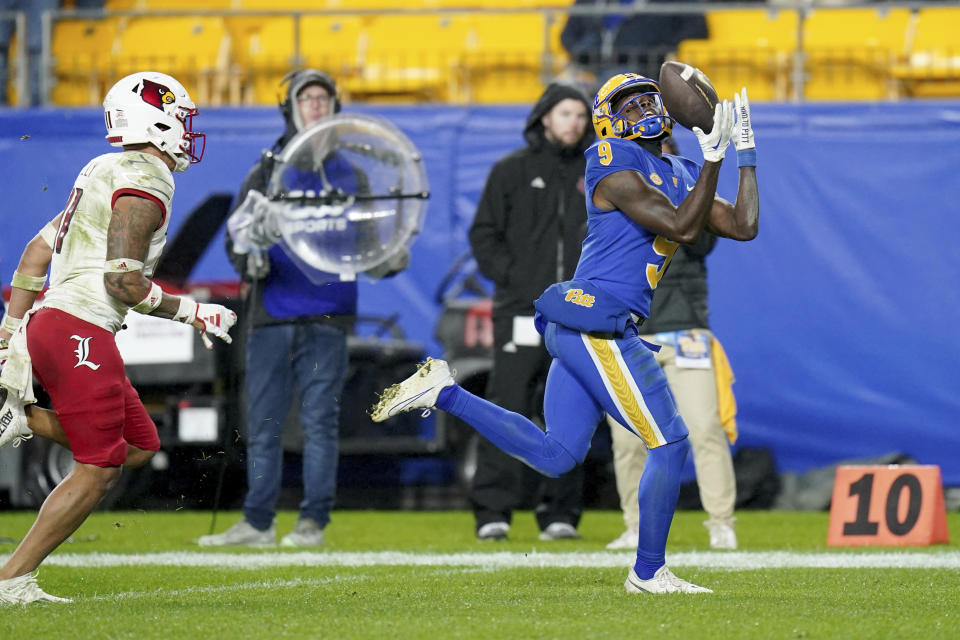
(610, 124)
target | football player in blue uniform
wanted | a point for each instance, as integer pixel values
(640, 205)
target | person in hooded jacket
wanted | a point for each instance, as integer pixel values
(526, 235)
(297, 341)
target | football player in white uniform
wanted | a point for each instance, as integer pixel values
(101, 251)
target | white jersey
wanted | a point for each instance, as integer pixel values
(80, 246)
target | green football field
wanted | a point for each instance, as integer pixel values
(400, 575)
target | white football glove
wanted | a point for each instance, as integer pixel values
(742, 131)
(4, 351)
(714, 144)
(253, 225)
(208, 318)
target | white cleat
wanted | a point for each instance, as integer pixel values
(722, 535)
(560, 531)
(663, 581)
(419, 391)
(306, 533)
(241, 534)
(13, 421)
(493, 531)
(24, 590)
(629, 539)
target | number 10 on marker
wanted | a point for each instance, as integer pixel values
(887, 505)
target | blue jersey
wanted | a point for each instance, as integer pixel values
(621, 257)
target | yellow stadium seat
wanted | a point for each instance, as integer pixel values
(244, 33)
(746, 47)
(508, 58)
(193, 49)
(414, 56)
(187, 5)
(326, 43)
(332, 43)
(287, 5)
(931, 67)
(494, 4)
(270, 57)
(850, 52)
(82, 60)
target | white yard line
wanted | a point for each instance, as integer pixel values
(732, 560)
(228, 588)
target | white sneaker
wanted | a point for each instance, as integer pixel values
(629, 539)
(722, 535)
(419, 391)
(559, 531)
(24, 590)
(13, 421)
(306, 533)
(493, 531)
(663, 581)
(242, 534)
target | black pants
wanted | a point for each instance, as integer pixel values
(503, 483)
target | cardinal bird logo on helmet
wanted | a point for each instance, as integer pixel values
(155, 94)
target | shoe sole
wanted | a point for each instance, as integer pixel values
(630, 587)
(381, 411)
(252, 545)
(292, 545)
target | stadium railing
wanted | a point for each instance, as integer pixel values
(442, 51)
(13, 74)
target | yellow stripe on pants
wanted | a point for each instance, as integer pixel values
(618, 385)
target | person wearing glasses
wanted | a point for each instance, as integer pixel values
(296, 346)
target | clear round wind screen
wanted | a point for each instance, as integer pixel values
(348, 193)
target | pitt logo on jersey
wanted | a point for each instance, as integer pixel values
(656, 179)
(578, 297)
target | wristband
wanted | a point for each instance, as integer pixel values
(122, 265)
(10, 323)
(151, 301)
(30, 283)
(187, 312)
(49, 234)
(747, 158)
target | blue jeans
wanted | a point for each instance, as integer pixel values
(282, 359)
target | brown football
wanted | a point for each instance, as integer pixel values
(688, 95)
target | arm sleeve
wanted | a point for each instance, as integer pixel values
(488, 231)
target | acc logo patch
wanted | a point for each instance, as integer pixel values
(656, 179)
(674, 180)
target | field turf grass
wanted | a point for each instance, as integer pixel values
(438, 587)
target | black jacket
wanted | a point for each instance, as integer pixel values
(680, 300)
(532, 217)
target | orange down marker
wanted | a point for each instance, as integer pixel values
(895, 505)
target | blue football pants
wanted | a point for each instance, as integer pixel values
(590, 376)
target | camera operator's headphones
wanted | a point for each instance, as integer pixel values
(294, 81)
